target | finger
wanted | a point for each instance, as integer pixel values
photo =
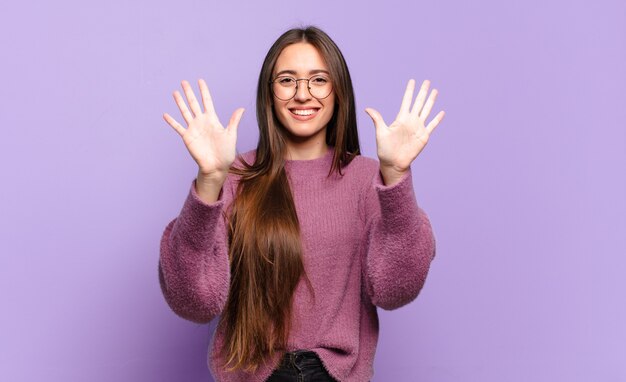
(431, 126)
(421, 96)
(234, 120)
(429, 105)
(408, 97)
(376, 118)
(191, 98)
(183, 107)
(172, 122)
(207, 101)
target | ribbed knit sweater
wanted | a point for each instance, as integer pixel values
(365, 245)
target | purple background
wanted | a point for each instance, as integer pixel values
(524, 180)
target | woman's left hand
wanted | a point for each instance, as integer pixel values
(400, 143)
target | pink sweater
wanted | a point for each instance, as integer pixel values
(365, 245)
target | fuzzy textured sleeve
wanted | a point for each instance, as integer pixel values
(194, 270)
(399, 241)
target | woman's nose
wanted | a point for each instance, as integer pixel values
(302, 92)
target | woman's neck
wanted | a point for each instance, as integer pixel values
(306, 151)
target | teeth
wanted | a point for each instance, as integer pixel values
(303, 112)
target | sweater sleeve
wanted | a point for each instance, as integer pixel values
(194, 270)
(399, 243)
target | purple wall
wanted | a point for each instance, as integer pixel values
(523, 181)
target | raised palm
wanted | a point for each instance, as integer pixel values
(212, 146)
(401, 142)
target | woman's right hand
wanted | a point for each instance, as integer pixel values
(210, 144)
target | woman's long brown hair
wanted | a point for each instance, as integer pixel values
(264, 234)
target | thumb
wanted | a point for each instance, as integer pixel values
(234, 120)
(376, 117)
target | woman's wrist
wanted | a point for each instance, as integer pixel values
(392, 175)
(208, 186)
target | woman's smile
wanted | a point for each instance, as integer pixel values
(304, 114)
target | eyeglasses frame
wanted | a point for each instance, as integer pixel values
(297, 83)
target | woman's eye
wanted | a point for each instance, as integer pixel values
(286, 80)
(319, 80)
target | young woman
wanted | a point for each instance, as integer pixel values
(294, 245)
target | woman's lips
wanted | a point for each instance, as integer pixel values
(307, 114)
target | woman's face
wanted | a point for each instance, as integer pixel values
(303, 116)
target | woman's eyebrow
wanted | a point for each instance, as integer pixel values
(314, 71)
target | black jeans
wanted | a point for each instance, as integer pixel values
(300, 366)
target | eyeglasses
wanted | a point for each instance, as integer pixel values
(286, 87)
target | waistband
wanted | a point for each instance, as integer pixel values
(300, 356)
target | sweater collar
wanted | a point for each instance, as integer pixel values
(319, 165)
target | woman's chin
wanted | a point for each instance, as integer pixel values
(301, 133)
